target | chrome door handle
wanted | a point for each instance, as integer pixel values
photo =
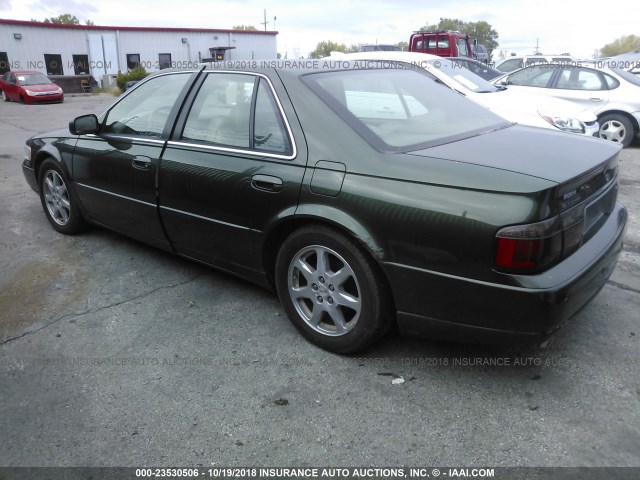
(266, 183)
(141, 163)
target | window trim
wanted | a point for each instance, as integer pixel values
(244, 151)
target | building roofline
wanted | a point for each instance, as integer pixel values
(26, 23)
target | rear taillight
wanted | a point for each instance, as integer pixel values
(529, 247)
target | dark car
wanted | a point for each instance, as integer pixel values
(480, 53)
(366, 196)
(479, 68)
(29, 87)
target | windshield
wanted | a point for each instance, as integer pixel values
(397, 109)
(33, 79)
(462, 76)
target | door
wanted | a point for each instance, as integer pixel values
(232, 170)
(585, 86)
(115, 170)
(10, 86)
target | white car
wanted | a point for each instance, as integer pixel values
(525, 109)
(613, 94)
(509, 64)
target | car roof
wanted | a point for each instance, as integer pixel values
(387, 56)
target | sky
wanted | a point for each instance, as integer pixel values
(556, 26)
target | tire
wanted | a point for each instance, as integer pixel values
(58, 200)
(332, 291)
(616, 128)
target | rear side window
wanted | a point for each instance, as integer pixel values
(578, 78)
(238, 111)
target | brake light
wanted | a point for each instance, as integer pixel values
(529, 247)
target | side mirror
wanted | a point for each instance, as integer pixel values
(84, 125)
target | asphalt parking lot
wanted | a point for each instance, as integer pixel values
(117, 354)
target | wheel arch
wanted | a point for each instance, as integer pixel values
(322, 216)
(625, 114)
(46, 153)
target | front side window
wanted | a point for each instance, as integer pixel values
(462, 48)
(401, 110)
(144, 112)
(238, 111)
(532, 77)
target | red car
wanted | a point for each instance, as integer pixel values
(29, 87)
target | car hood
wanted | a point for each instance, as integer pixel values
(544, 154)
(524, 107)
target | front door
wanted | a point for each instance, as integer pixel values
(115, 170)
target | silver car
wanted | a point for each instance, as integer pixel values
(613, 94)
(518, 107)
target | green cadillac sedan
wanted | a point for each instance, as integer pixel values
(366, 194)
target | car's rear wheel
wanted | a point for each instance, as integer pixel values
(332, 291)
(616, 128)
(58, 201)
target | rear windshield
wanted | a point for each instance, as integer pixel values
(628, 76)
(401, 109)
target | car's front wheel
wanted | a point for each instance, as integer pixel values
(616, 128)
(58, 201)
(332, 291)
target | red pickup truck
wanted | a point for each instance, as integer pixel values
(443, 43)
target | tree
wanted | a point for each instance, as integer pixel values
(324, 49)
(624, 44)
(64, 19)
(404, 46)
(445, 24)
(244, 27)
(353, 48)
(482, 31)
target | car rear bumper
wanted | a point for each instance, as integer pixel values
(528, 310)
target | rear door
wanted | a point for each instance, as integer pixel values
(231, 169)
(585, 86)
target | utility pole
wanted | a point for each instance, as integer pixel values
(265, 20)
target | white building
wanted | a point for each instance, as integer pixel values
(99, 50)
